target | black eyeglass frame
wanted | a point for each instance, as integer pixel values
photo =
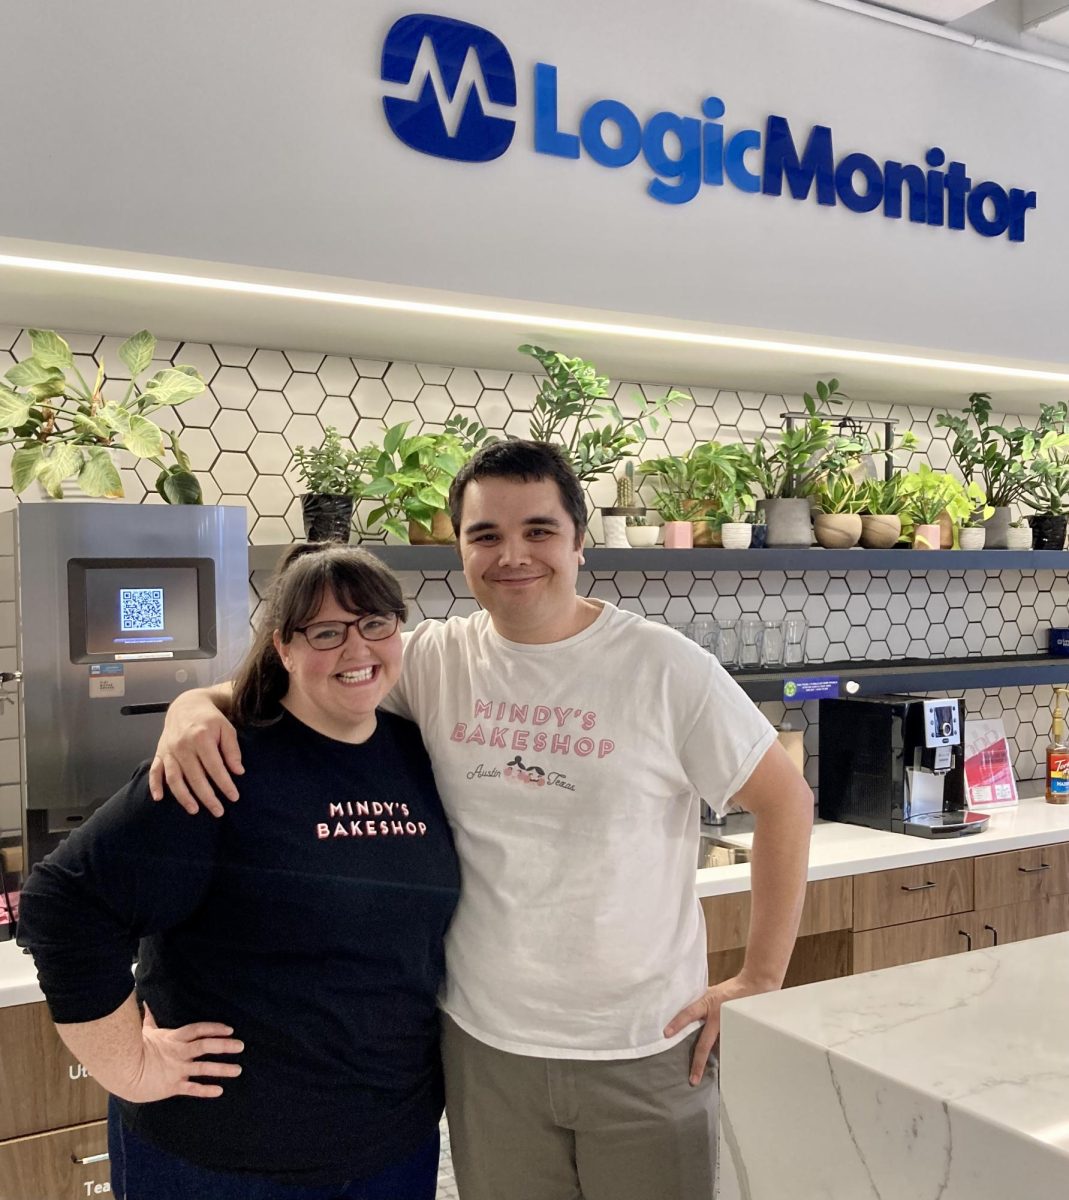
(357, 621)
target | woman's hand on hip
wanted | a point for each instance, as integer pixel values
(172, 1062)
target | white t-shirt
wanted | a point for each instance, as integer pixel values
(571, 774)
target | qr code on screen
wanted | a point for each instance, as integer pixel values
(140, 608)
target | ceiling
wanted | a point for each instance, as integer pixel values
(115, 293)
(942, 11)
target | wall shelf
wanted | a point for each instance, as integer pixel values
(913, 674)
(601, 558)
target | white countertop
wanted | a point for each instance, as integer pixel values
(835, 850)
(838, 849)
(947, 1078)
(18, 977)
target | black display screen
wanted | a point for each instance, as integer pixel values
(124, 608)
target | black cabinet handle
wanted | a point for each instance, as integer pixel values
(967, 937)
(1034, 870)
(994, 934)
(917, 887)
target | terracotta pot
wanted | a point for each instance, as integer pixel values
(441, 533)
(946, 531)
(972, 538)
(736, 535)
(880, 531)
(926, 537)
(837, 531)
(704, 534)
(678, 535)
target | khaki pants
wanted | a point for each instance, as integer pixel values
(578, 1129)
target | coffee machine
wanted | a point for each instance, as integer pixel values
(895, 763)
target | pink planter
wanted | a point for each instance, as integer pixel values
(678, 535)
(926, 537)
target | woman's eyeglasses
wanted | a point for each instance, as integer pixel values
(329, 635)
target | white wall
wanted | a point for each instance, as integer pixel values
(251, 132)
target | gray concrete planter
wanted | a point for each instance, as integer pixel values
(789, 522)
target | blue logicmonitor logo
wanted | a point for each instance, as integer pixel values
(454, 76)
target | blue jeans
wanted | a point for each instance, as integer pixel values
(139, 1171)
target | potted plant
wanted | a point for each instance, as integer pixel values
(640, 533)
(710, 483)
(67, 430)
(929, 494)
(678, 531)
(881, 514)
(333, 476)
(1048, 490)
(788, 472)
(1019, 535)
(995, 455)
(973, 532)
(614, 520)
(838, 524)
(410, 478)
(736, 530)
(574, 411)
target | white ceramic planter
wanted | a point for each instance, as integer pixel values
(642, 535)
(1018, 539)
(735, 535)
(972, 539)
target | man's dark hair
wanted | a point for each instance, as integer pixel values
(530, 462)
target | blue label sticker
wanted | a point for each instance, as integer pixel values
(106, 669)
(816, 687)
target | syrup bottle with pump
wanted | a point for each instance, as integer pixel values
(1058, 754)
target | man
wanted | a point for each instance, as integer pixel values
(571, 741)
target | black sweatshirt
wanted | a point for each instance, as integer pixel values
(310, 918)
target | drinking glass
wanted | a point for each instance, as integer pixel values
(750, 630)
(726, 646)
(771, 643)
(704, 633)
(795, 630)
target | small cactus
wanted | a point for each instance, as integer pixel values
(625, 487)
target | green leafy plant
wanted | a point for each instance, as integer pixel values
(711, 482)
(66, 429)
(839, 494)
(882, 497)
(332, 469)
(410, 476)
(792, 468)
(927, 494)
(1000, 457)
(574, 412)
(1048, 487)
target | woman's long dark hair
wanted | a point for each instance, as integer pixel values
(307, 575)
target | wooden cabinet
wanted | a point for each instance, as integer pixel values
(912, 942)
(1021, 875)
(822, 950)
(887, 918)
(968, 904)
(64, 1165)
(50, 1112)
(912, 894)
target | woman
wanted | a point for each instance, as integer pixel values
(290, 953)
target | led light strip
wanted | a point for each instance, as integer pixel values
(504, 317)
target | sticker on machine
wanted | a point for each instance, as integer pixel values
(106, 681)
